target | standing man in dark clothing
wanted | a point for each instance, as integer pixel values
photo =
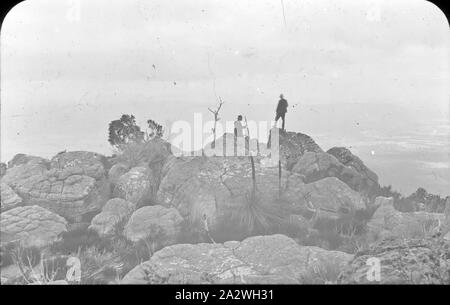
(281, 110)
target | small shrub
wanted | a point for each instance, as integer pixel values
(354, 244)
(7, 255)
(318, 273)
(387, 191)
(252, 217)
(295, 227)
(55, 268)
(132, 254)
(405, 205)
(255, 217)
(79, 239)
(191, 233)
(27, 256)
(98, 266)
(133, 154)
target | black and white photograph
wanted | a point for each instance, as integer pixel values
(234, 143)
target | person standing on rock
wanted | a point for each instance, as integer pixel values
(281, 110)
(238, 133)
(239, 127)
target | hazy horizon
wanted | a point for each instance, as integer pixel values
(369, 75)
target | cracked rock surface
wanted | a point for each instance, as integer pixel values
(9, 198)
(72, 184)
(214, 186)
(316, 166)
(113, 213)
(346, 157)
(293, 145)
(135, 186)
(149, 221)
(275, 259)
(31, 225)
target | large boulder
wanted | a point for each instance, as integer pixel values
(135, 186)
(73, 185)
(3, 168)
(274, 259)
(154, 222)
(80, 163)
(114, 212)
(229, 145)
(345, 156)
(9, 198)
(293, 145)
(181, 188)
(17, 174)
(401, 261)
(31, 226)
(202, 187)
(316, 166)
(20, 159)
(116, 171)
(331, 196)
(447, 236)
(212, 188)
(389, 222)
(446, 228)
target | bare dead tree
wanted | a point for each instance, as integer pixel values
(216, 119)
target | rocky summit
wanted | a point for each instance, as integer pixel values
(147, 216)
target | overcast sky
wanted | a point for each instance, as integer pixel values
(70, 67)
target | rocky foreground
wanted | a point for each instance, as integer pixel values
(273, 259)
(146, 216)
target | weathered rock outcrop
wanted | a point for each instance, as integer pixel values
(72, 185)
(116, 171)
(228, 145)
(9, 199)
(446, 228)
(80, 163)
(330, 196)
(15, 175)
(20, 159)
(401, 261)
(274, 259)
(3, 168)
(154, 222)
(369, 183)
(114, 212)
(31, 225)
(293, 145)
(316, 166)
(211, 187)
(208, 187)
(389, 222)
(135, 186)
